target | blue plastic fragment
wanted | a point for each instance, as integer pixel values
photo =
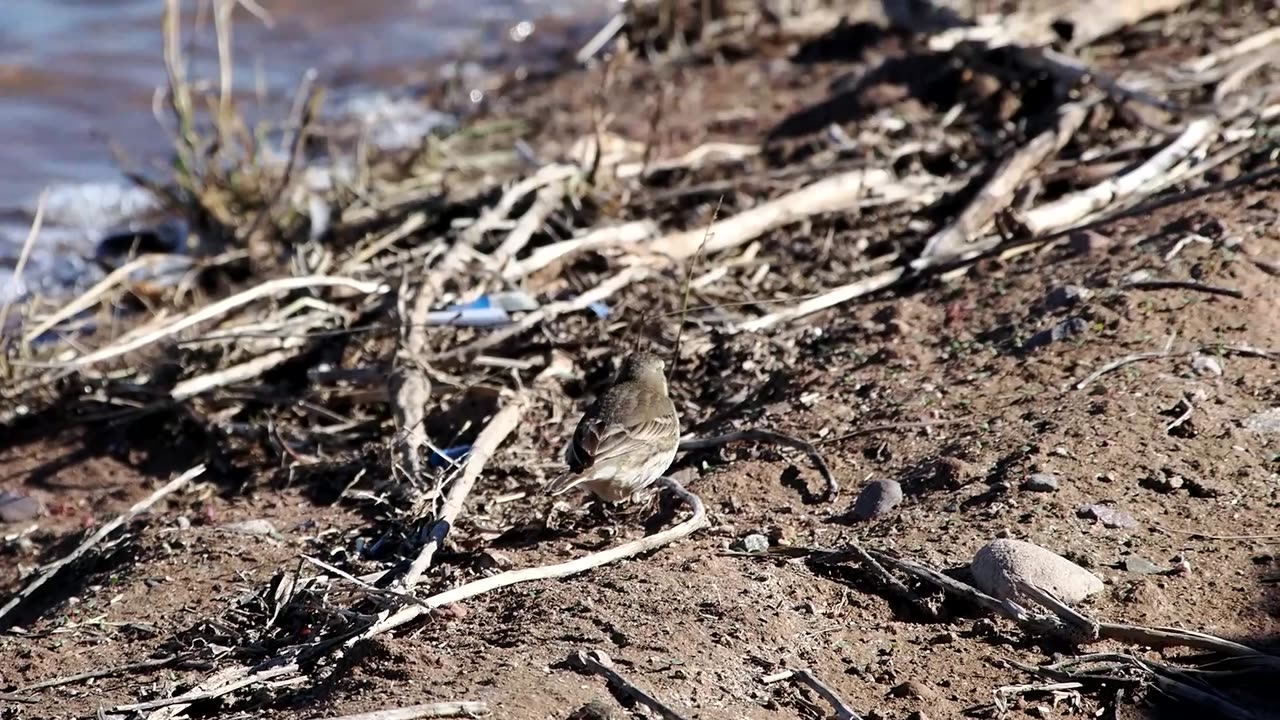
(448, 456)
(600, 309)
(477, 317)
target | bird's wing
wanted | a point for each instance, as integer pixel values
(603, 439)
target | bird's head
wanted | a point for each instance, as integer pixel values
(643, 366)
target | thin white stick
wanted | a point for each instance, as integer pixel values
(544, 203)
(491, 437)
(217, 692)
(23, 256)
(614, 236)
(222, 307)
(841, 192)
(429, 710)
(1068, 210)
(998, 193)
(550, 572)
(804, 677)
(831, 298)
(138, 508)
(598, 662)
(201, 384)
(91, 296)
(1253, 43)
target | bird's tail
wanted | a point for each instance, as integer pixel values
(564, 483)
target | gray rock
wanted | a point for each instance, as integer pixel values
(1163, 482)
(17, 508)
(1066, 296)
(1143, 566)
(1206, 365)
(1041, 482)
(1108, 516)
(876, 499)
(250, 527)
(754, 543)
(1267, 421)
(1066, 329)
(1000, 565)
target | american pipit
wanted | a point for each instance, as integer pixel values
(627, 438)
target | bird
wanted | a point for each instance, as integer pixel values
(627, 438)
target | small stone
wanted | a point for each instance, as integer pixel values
(1000, 565)
(945, 638)
(1088, 242)
(452, 611)
(184, 523)
(1066, 296)
(1142, 566)
(17, 508)
(1267, 421)
(754, 543)
(1066, 329)
(914, 689)
(1137, 276)
(1206, 365)
(494, 560)
(1108, 516)
(1181, 565)
(1041, 482)
(251, 527)
(876, 499)
(594, 710)
(1163, 482)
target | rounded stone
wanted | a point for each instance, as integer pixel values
(876, 499)
(1041, 482)
(1000, 565)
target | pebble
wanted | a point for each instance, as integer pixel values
(876, 499)
(1066, 329)
(1108, 516)
(1267, 421)
(17, 508)
(1066, 296)
(1087, 242)
(914, 689)
(1041, 482)
(1143, 566)
(1163, 483)
(251, 527)
(754, 543)
(1000, 564)
(1206, 365)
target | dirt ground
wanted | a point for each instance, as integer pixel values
(942, 383)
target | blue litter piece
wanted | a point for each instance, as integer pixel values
(448, 456)
(600, 309)
(484, 302)
(477, 317)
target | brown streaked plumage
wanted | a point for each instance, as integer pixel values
(627, 438)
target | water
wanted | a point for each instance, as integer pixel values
(78, 77)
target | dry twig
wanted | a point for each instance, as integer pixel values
(486, 444)
(596, 661)
(429, 710)
(807, 678)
